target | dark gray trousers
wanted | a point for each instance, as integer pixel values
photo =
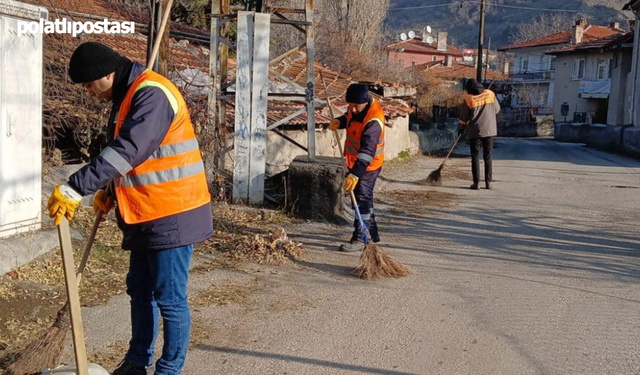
(487, 148)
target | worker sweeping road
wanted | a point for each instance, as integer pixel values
(163, 202)
(478, 113)
(364, 155)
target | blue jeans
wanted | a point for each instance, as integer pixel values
(157, 285)
(364, 197)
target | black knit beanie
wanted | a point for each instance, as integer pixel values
(473, 87)
(357, 94)
(91, 61)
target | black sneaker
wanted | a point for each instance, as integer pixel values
(474, 187)
(487, 185)
(127, 368)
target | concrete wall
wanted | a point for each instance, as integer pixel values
(620, 98)
(633, 76)
(631, 141)
(566, 132)
(566, 89)
(438, 136)
(280, 152)
(399, 140)
(620, 139)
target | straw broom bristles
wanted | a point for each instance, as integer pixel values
(46, 351)
(375, 263)
(435, 177)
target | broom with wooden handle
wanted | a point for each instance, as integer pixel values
(374, 262)
(46, 351)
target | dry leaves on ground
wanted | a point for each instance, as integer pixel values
(242, 234)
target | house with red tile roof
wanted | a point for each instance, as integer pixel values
(416, 51)
(534, 70)
(583, 81)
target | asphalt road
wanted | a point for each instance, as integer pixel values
(537, 276)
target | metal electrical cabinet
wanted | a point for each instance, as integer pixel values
(21, 63)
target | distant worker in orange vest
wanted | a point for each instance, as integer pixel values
(478, 113)
(155, 167)
(364, 154)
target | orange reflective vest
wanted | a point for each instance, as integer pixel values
(172, 180)
(354, 134)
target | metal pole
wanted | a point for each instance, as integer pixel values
(486, 67)
(158, 14)
(480, 41)
(311, 79)
(214, 77)
(224, 59)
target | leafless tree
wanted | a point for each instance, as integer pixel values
(529, 96)
(542, 25)
(349, 34)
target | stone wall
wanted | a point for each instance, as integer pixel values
(621, 139)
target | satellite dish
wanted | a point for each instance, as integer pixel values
(429, 39)
(403, 36)
(412, 34)
(429, 29)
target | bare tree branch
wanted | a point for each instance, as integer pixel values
(542, 25)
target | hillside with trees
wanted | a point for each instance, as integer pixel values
(503, 18)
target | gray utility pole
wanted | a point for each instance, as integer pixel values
(480, 41)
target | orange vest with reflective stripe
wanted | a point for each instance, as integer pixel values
(172, 180)
(354, 134)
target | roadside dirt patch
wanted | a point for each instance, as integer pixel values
(225, 294)
(419, 201)
(111, 356)
(452, 172)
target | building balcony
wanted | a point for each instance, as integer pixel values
(595, 89)
(547, 75)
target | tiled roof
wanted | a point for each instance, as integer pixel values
(458, 71)
(593, 45)
(294, 67)
(591, 33)
(427, 65)
(416, 45)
